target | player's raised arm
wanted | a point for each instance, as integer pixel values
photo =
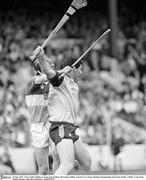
(44, 62)
(48, 69)
(65, 70)
(40, 77)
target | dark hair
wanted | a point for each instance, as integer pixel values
(70, 62)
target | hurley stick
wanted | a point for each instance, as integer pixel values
(75, 5)
(97, 41)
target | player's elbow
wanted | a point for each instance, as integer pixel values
(48, 71)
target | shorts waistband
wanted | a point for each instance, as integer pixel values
(63, 122)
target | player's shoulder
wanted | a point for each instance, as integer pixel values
(31, 81)
(31, 84)
(70, 80)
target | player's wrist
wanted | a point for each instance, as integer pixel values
(41, 56)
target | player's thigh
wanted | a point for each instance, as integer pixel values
(41, 155)
(81, 152)
(40, 135)
(65, 149)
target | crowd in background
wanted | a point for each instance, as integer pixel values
(111, 88)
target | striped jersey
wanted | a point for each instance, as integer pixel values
(63, 101)
(37, 100)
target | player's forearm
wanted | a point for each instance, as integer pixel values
(65, 70)
(45, 66)
(44, 62)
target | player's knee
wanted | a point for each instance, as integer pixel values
(87, 164)
(43, 170)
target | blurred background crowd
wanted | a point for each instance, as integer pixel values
(112, 89)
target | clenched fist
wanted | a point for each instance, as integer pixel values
(39, 51)
(67, 69)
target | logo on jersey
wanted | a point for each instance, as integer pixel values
(61, 131)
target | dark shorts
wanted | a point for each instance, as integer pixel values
(62, 130)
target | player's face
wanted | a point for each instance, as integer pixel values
(78, 71)
(51, 63)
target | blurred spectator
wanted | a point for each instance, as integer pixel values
(117, 144)
(6, 166)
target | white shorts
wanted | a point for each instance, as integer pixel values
(40, 135)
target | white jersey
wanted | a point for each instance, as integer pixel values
(63, 102)
(36, 100)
